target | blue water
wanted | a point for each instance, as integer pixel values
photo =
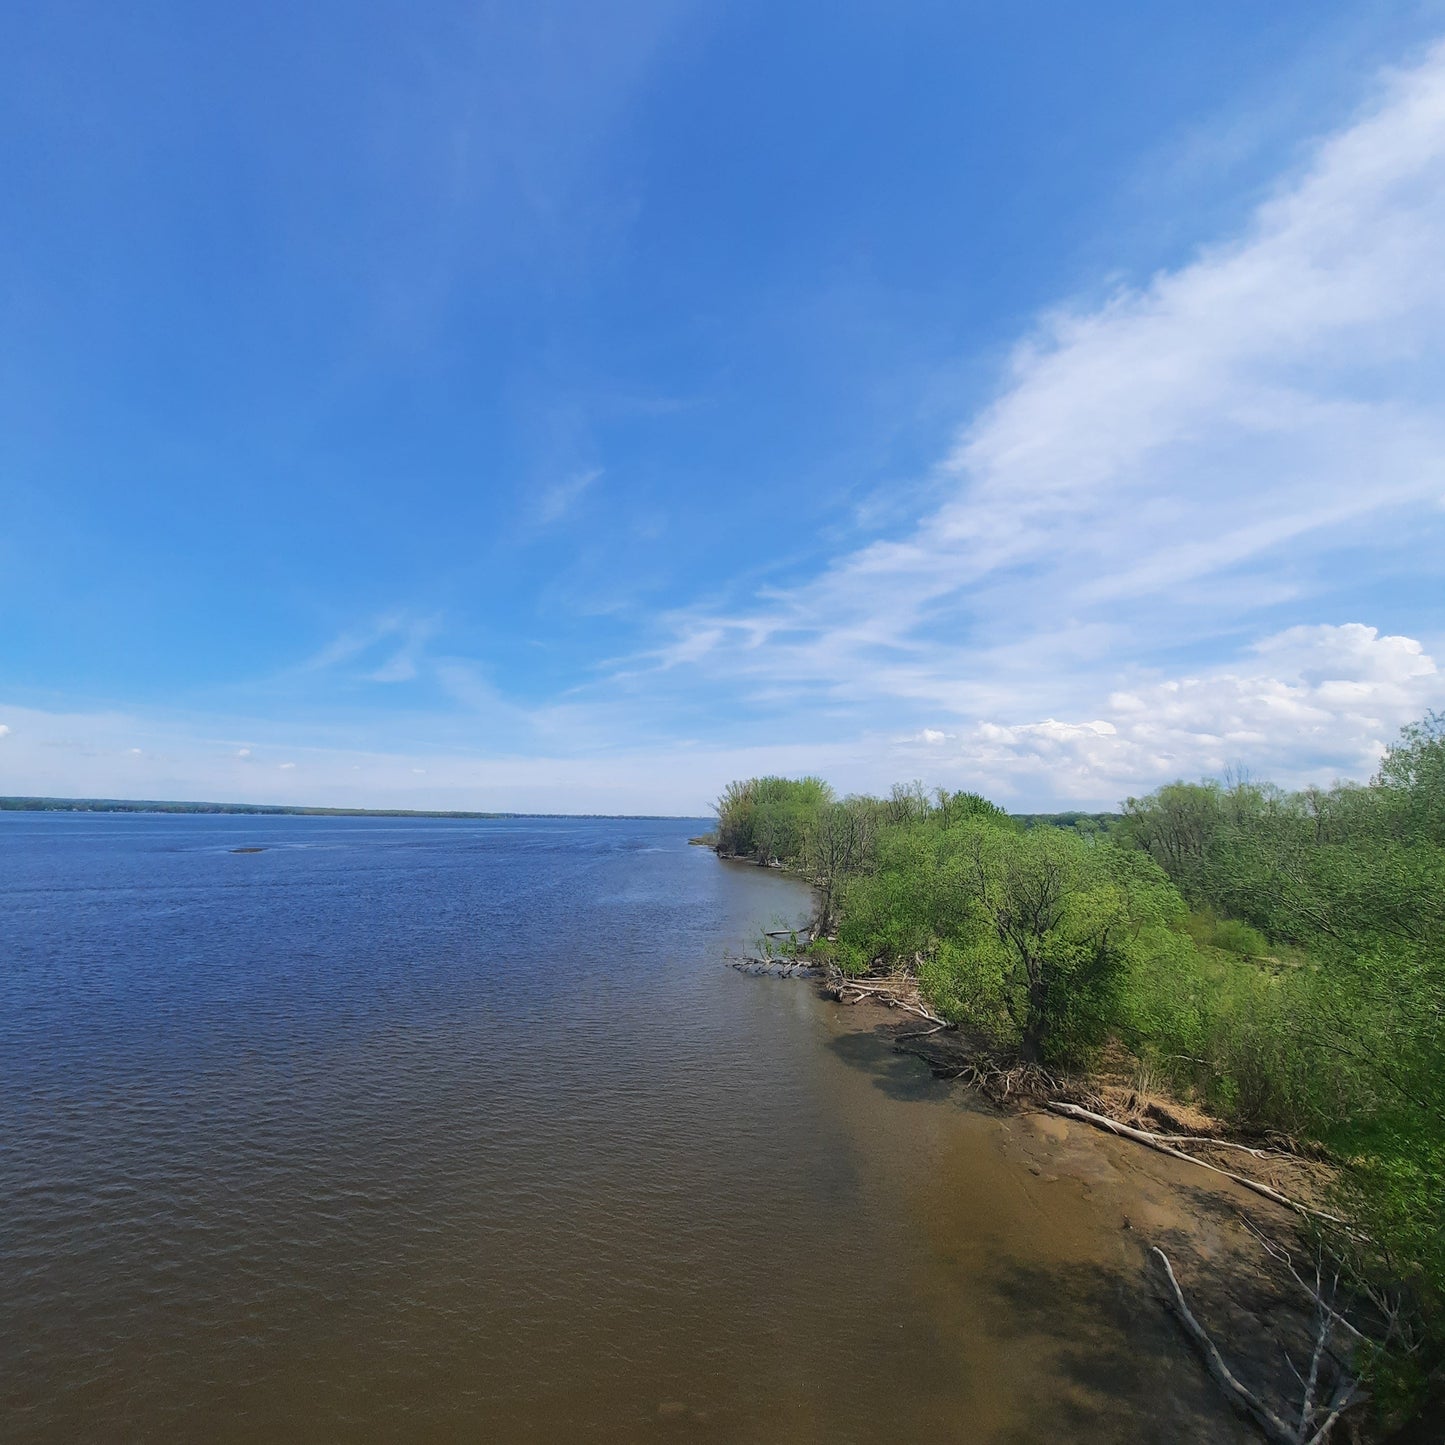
(414, 1130)
(398, 1125)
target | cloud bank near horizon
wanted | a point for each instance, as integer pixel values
(1308, 706)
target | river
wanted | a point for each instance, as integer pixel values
(442, 1130)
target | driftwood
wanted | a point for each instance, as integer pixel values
(1214, 1143)
(1244, 1398)
(890, 992)
(1278, 1252)
(1311, 1428)
(1000, 1084)
(920, 1033)
(776, 967)
(893, 1001)
(1153, 1141)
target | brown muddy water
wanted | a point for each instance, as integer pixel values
(411, 1130)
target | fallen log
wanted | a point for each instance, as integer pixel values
(1244, 1398)
(1221, 1144)
(920, 1033)
(889, 991)
(1346, 1391)
(1152, 1141)
(893, 1001)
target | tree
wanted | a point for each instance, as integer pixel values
(839, 841)
(768, 819)
(1067, 922)
(1028, 935)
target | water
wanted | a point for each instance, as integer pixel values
(451, 1130)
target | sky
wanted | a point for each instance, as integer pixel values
(566, 407)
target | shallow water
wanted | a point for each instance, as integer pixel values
(451, 1130)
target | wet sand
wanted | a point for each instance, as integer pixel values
(1037, 1268)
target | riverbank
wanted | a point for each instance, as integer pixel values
(1096, 1207)
(1273, 956)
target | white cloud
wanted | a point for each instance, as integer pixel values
(1121, 578)
(1162, 474)
(352, 643)
(4, 731)
(356, 643)
(243, 752)
(76, 755)
(1308, 705)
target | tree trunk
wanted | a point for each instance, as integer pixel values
(1036, 1020)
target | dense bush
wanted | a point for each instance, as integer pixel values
(1029, 935)
(767, 819)
(1341, 1036)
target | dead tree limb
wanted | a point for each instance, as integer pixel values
(1280, 1253)
(1243, 1398)
(1220, 1144)
(1152, 1141)
(1315, 1421)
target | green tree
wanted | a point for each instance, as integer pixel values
(1030, 935)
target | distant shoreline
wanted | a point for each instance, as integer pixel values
(124, 805)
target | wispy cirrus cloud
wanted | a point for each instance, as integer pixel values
(388, 647)
(1181, 467)
(561, 499)
(1198, 526)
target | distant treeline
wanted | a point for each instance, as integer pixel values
(1276, 956)
(1078, 822)
(126, 805)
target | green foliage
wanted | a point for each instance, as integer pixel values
(1340, 1036)
(1230, 935)
(1090, 825)
(1235, 936)
(1029, 936)
(767, 819)
(1280, 956)
(1412, 779)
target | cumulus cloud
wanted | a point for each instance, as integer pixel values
(4, 731)
(1308, 705)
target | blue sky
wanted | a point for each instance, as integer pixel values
(572, 407)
